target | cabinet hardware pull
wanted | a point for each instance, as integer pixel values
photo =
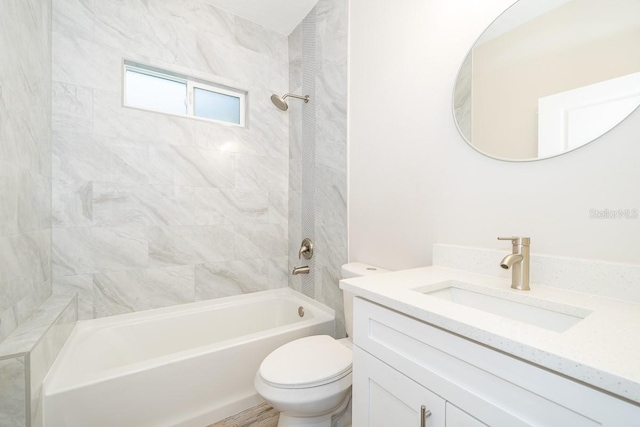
(424, 414)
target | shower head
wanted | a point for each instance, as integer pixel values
(279, 101)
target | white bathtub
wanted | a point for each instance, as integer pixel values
(188, 365)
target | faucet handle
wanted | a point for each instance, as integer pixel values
(306, 249)
(524, 241)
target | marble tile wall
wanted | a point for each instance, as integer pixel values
(151, 210)
(295, 157)
(45, 351)
(13, 405)
(330, 156)
(25, 160)
(25, 193)
(27, 355)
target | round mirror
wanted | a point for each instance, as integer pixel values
(549, 76)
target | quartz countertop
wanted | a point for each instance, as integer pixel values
(602, 350)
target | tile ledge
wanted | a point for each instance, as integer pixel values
(27, 335)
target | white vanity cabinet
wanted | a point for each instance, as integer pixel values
(401, 364)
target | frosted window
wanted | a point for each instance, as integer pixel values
(156, 93)
(154, 89)
(216, 106)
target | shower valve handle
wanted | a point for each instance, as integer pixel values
(306, 249)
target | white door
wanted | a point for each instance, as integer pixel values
(570, 119)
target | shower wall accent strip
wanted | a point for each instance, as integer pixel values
(309, 143)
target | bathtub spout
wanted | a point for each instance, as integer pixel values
(301, 270)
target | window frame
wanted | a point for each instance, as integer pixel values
(191, 84)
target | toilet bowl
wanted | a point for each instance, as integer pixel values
(309, 380)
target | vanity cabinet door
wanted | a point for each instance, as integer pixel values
(456, 417)
(384, 397)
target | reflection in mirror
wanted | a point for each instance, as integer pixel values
(549, 76)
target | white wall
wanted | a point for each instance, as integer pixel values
(414, 182)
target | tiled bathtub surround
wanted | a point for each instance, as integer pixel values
(330, 187)
(595, 277)
(13, 404)
(308, 144)
(26, 356)
(151, 210)
(25, 198)
(25, 159)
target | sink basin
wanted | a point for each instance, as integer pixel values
(553, 316)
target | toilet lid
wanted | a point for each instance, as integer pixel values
(307, 362)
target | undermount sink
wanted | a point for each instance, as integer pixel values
(553, 316)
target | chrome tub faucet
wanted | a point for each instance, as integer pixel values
(301, 270)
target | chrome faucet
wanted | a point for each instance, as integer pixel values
(518, 262)
(301, 270)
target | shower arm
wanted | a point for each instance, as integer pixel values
(293, 95)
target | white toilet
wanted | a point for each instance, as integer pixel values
(309, 380)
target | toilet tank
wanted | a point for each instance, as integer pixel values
(348, 271)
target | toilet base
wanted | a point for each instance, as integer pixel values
(290, 421)
(341, 417)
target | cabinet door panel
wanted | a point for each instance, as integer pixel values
(458, 418)
(384, 397)
(385, 409)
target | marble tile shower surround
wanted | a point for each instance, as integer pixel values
(330, 153)
(151, 210)
(13, 392)
(25, 205)
(26, 356)
(295, 156)
(308, 145)
(25, 160)
(606, 279)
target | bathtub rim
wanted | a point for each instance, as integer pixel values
(321, 313)
(179, 309)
